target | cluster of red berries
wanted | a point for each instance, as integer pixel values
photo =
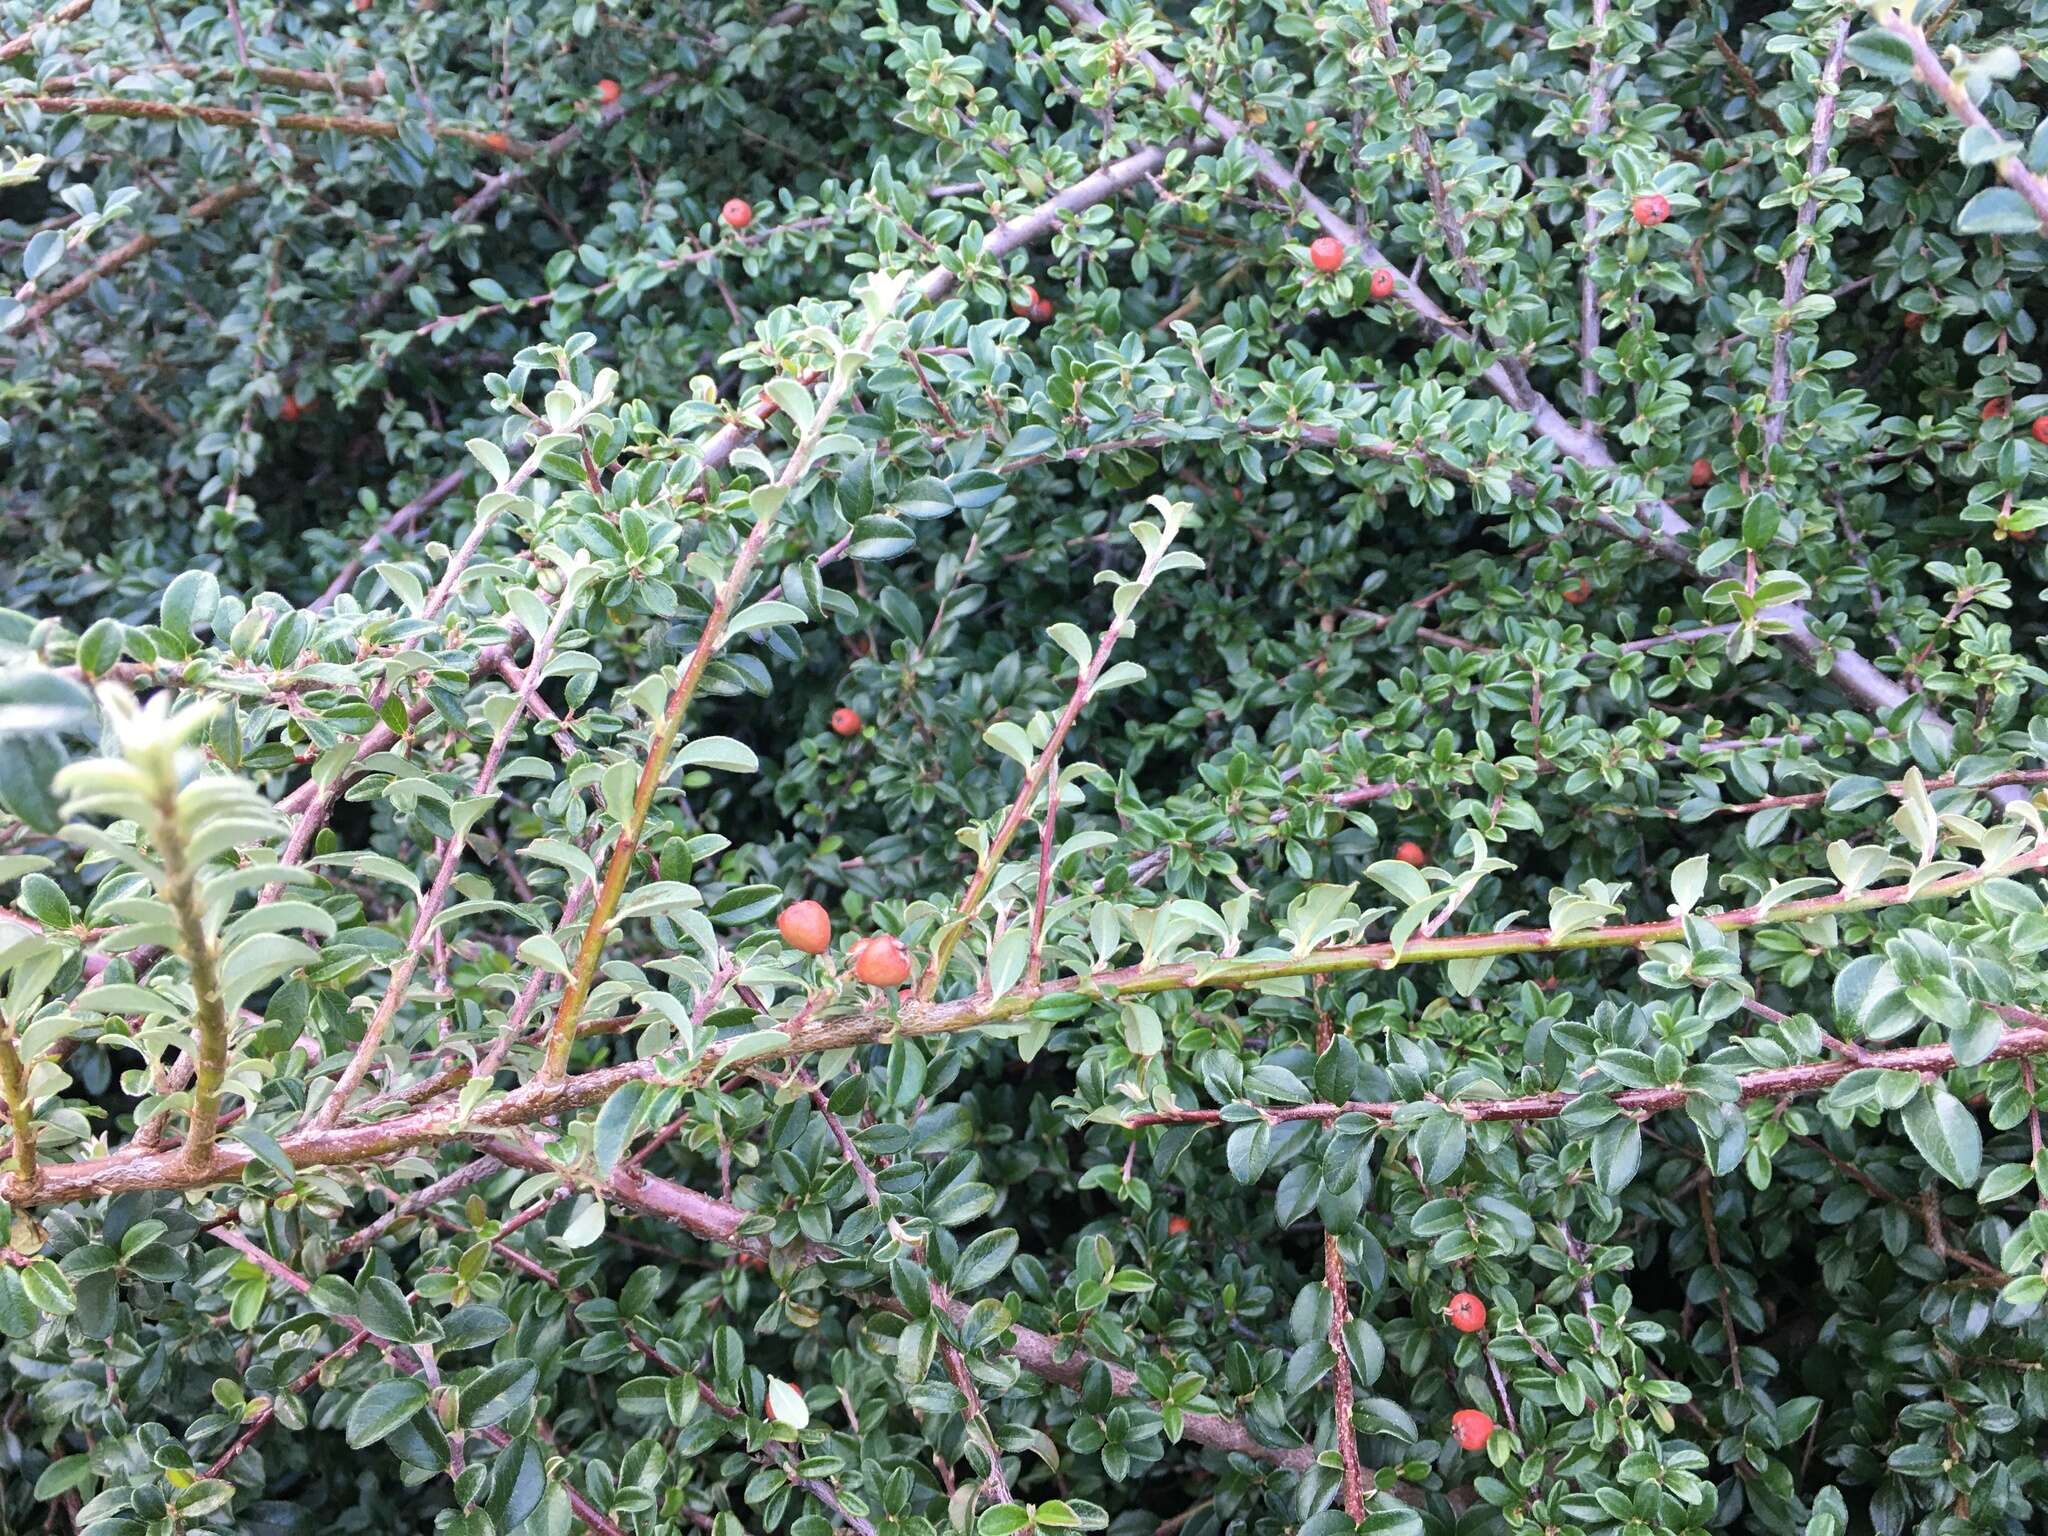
(1999, 409)
(880, 960)
(1470, 1426)
(1033, 306)
(1326, 255)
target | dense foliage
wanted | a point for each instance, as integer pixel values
(1421, 618)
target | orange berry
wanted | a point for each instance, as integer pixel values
(1412, 855)
(1466, 1312)
(2040, 429)
(882, 961)
(607, 91)
(1025, 302)
(1702, 474)
(845, 722)
(1176, 1226)
(1471, 1428)
(1326, 252)
(1382, 283)
(737, 212)
(1651, 209)
(806, 926)
(498, 143)
(1577, 595)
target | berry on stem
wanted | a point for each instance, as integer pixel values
(1471, 1427)
(1466, 1312)
(1382, 283)
(1650, 209)
(607, 91)
(737, 212)
(882, 961)
(1411, 854)
(1326, 252)
(845, 722)
(806, 926)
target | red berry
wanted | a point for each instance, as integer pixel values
(882, 961)
(1412, 855)
(1382, 283)
(845, 722)
(2040, 429)
(737, 212)
(498, 143)
(1025, 302)
(805, 926)
(1466, 1312)
(1702, 474)
(291, 410)
(607, 91)
(1471, 1427)
(362, 6)
(1176, 1226)
(1327, 252)
(1995, 410)
(1041, 311)
(1651, 209)
(1914, 322)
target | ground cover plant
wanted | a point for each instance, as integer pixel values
(977, 768)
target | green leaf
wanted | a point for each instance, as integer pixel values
(382, 1409)
(1997, 211)
(267, 1151)
(1882, 54)
(188, 603)
(382, 1308)
(497, 1392)
(719, 752)
(1946, 1134)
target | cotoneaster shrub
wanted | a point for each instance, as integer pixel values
(1398, 646)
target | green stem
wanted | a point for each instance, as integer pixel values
(20, 1113)
(195, 947)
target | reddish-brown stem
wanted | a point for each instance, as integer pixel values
(1898, 21)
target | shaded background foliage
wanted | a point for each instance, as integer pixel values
(1411, 625)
